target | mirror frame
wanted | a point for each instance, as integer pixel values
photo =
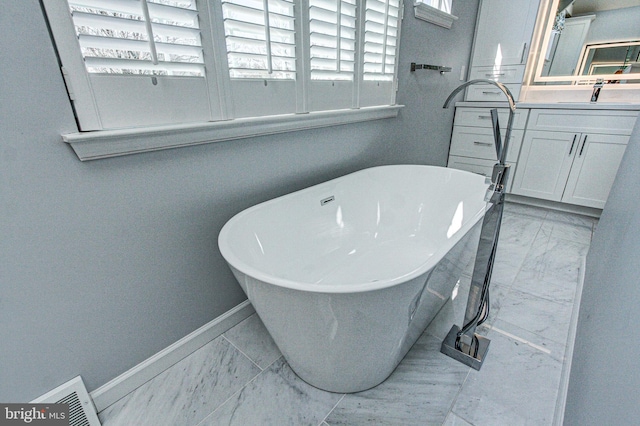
(548, 18)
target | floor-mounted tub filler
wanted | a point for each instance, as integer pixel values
(462, 343)
(347, 274)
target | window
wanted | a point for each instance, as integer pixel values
(435, 11)
(442, 5)
(332, 28)
(260, 38)
(141, 63)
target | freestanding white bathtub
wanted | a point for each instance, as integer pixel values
(347, 274)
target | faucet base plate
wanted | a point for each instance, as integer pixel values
(448, 348)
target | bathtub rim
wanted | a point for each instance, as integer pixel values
(357, 287)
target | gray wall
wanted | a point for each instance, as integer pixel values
(605, 372)
(614, 25)
(103, 264)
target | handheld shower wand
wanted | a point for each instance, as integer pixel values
(463, 344)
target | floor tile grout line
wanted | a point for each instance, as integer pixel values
(242, 352)
(331, 411)
(520, 339)
(455, 399)
(239, 390)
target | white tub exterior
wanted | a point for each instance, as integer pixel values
(345, 287)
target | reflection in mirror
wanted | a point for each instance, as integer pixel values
(585, 38)
(611, 58)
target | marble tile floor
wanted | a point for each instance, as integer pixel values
(240, 378)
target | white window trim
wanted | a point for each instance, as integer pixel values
(113, 143)
(226, 123)
(435, 16)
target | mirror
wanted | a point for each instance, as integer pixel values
(587, 40)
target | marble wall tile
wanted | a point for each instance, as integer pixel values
(252, 338)
(419, 392)
(188, 391)
(517, 385)
(275, 397)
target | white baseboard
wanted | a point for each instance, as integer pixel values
(561, 401)
(130, 380)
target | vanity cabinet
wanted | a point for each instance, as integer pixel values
(501, 45)
(472, 144)
(572, 156)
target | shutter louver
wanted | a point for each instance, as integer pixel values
(260, 38)
(332, 39)
(381, 39)
(146, 37)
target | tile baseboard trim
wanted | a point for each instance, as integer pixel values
(130, 380)
(561, 401)
(555, 205)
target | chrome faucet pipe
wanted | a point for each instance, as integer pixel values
(505, 90)
(462, 343)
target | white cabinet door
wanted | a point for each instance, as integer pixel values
(504, 32)
(594, 169)
(544, 164)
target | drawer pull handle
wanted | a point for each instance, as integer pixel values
(484, 117)
(584, 142)
(490, 93)
(572, 144)
(481, 143)
(495, 74)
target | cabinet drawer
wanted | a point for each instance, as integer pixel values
(481, 117)
(489, 92)
(478, 166)
(560, 120)
(478, 142)
(503, 74)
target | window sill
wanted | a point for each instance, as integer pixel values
(114, 143)
(433, 15)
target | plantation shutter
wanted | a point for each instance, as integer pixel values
(133, 62)
(261, 55)
(133, 37)
(332, 56)
(332, 39)
(382, 32)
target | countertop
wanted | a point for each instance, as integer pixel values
(557, 105)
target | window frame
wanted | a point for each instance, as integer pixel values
(228, 123)
(437, 15)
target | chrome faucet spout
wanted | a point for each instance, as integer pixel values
(596, 90)
(502, 150)
(502, 87)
